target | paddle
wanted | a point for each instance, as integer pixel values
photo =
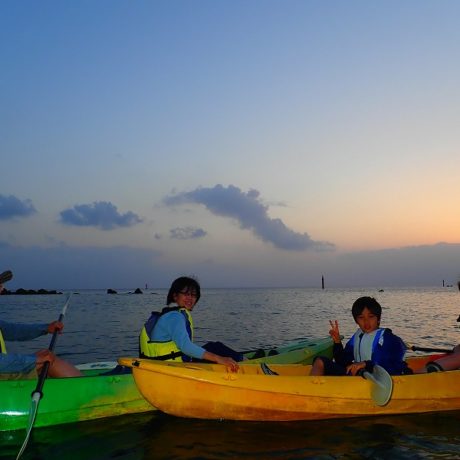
(382, 385)
(37, 393)
(428, 350)
(6, 276)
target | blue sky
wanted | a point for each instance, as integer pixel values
(249, 143)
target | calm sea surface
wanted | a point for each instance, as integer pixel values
(101, 327)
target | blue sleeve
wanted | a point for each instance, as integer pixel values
(343, 356)
(14, 362)
(390, 355)
(21, 332)
(171, 326)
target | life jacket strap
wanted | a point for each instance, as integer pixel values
(172, 355)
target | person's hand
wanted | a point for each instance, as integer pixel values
(229, 362)
(334, 331)
(55, 326)
(42, 356)
(354, 368)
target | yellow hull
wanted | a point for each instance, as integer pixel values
(209, 391)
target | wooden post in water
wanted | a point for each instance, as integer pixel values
(322, 282)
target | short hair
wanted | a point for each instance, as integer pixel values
(366, 302)
(184, 283)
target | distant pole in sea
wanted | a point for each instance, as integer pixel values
(322, 282)
(442, 283)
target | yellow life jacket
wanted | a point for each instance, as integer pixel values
(2, 343)
(165, 351)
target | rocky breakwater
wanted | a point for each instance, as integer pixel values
(22, 291)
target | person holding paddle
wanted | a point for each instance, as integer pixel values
(17, 365)
(168, 335)
(370, 345)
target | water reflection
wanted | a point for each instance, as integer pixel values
(158, 436)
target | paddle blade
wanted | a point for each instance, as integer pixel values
(6, 276)
(382, 387)
(32, 414)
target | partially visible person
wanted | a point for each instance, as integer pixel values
(370, 345)
(18, 365)
(449, 362)
(169, 335)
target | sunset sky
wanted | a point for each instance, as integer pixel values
(248, 143)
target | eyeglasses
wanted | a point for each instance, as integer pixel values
(188, 294)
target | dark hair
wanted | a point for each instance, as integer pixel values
(184, 283)
(366, 302)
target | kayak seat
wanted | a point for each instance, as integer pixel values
(259, 354)
(118, 370)
(273, 353)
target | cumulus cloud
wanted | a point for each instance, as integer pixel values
(250, 213)
(11, 207)
(100, 214)
(187, 233)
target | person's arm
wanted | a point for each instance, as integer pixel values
(226, 361)
(341, 356)
(178, 331)
(344, 356)
(22, 332)
(15, 362)
(390, 355)
(175, 324)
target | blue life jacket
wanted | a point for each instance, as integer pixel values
(360, 335)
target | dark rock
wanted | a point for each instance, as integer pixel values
(138, 291)
(22, 291)
(111, 291)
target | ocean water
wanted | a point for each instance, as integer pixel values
(100, 327)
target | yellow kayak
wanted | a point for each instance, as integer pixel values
(210, 391)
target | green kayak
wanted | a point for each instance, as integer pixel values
(67, 400)
(106, 391)
(301, 352)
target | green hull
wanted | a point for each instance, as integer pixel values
(69, 400)
(302, 352)
(96, 396)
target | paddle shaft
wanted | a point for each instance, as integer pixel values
(46, 365)
(37, 394)
(430, 350)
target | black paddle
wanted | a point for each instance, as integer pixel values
(6, 276)
(429, 350)
(37, 393)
